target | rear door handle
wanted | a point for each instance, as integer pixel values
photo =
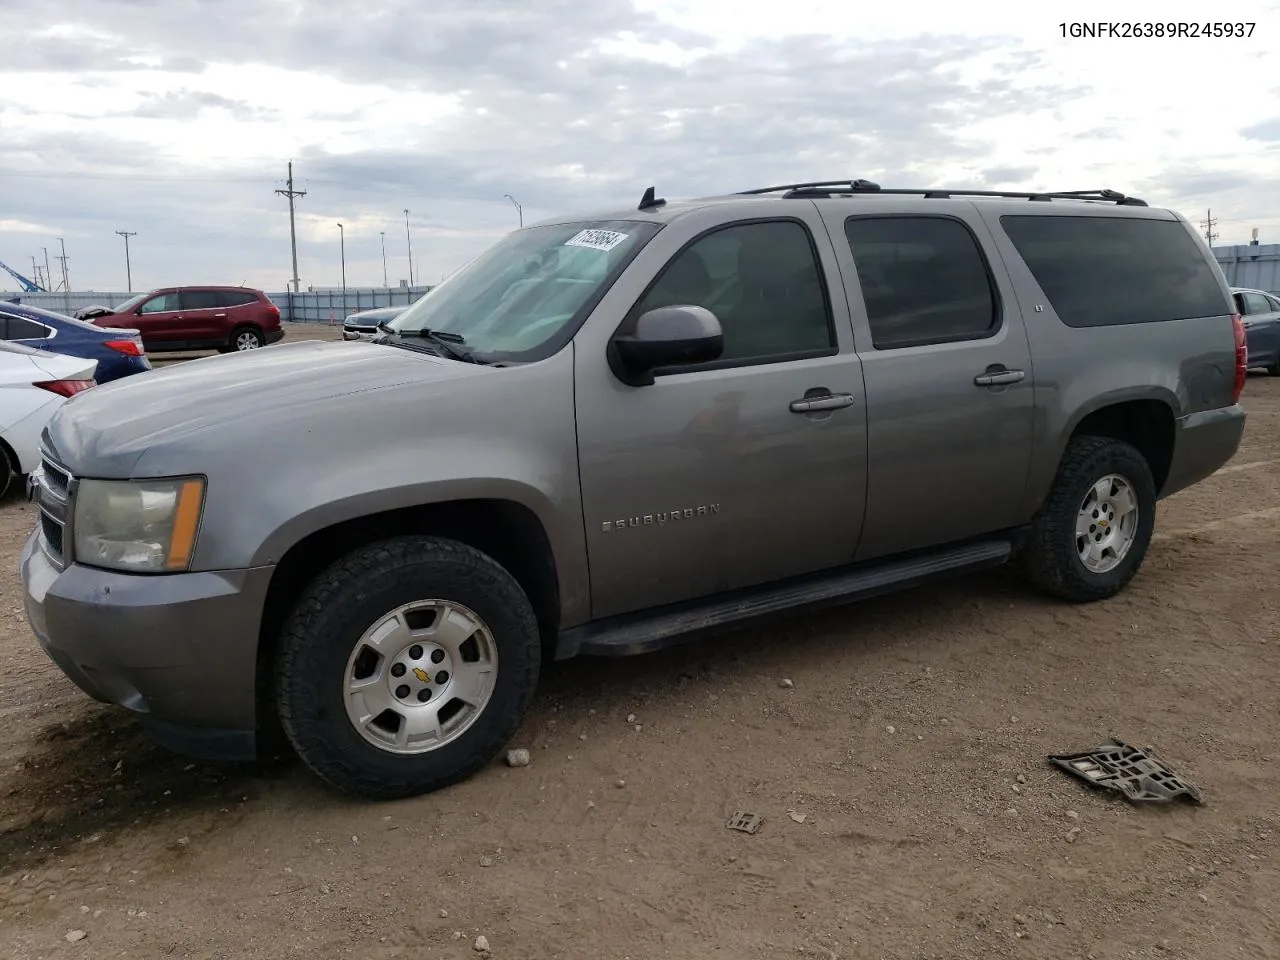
(219, 316)
(999, 377)
(832, 401)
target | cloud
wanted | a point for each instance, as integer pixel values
(145, 124)
(1268, 130)
(189, 104)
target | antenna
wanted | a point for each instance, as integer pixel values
(650, 200)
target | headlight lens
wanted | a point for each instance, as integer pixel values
(141, 526)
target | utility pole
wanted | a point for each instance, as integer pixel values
(384, 259)
(342, 246)
(293, 232)
(48, 274)
(128, 267)
(409, 240)
(519, 209)
(1209, 223)
(35, 268)
(66, 281)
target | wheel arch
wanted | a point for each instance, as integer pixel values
(506, 530)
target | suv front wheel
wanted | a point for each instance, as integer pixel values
(406, 666)
(1092, 532)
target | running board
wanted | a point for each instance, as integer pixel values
(646, 632)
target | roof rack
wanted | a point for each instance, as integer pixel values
(831, 188)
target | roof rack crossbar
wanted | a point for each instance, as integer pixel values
(829, 188)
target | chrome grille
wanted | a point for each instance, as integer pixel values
(53, 487)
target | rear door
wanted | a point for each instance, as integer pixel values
(947, 364)
(202, 317)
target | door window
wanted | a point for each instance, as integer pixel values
(164, 303)
(1255, 303)
(198, 299)
(762, 281)
(924, 280)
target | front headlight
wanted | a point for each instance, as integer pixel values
(140, 526)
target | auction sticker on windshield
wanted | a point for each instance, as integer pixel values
(596, 239)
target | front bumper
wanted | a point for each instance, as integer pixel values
(180, 650)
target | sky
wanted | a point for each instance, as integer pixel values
(175, 119)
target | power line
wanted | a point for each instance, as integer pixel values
(293, 232)
(1209, 223)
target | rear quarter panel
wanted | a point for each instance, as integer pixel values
(1189, 365)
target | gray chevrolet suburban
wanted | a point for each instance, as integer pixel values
(612, 432)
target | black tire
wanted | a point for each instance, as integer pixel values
(7, 475)
(245, 333)
(1050, 559)
(348, 598)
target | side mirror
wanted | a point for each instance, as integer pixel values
(664, 337)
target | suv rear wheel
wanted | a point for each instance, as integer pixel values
(1092, 532)
(406, 666)
(247, 338)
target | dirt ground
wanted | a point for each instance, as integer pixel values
(912, 742)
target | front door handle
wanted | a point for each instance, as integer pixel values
(830, 401)
(219, 316)
(998, 377)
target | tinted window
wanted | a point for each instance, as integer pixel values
(17, 328)
(1255, 303)
(161, 304)
(1099, 271)
(235, 298)
(1274, 304)
(923, 279)
(199, 299)
(761, 280)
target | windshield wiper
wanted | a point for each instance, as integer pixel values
(447, 342)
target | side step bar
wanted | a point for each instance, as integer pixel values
(631, 634)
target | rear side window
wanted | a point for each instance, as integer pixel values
(1106, 271)
(924, 280)
(236, 298)
(199, 299)
(19, 328)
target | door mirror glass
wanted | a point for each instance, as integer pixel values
(665, 337)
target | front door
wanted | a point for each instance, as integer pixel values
(726, 474)
(950, 399)
(157, 319)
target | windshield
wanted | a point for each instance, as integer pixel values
(130, 303)
(524, 297)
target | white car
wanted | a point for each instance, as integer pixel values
(33, 385)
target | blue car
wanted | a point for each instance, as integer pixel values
(119, 352)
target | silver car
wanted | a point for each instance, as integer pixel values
(364, 325)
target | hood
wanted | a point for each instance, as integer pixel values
(111, 426)
(376, 314)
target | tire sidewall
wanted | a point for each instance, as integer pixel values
(1124, 461)
(316, 692)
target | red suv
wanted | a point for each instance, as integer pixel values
(195, 318)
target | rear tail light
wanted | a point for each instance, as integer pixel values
(274, 311)
(1242, 358)
(64, 388)
(130, 348)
